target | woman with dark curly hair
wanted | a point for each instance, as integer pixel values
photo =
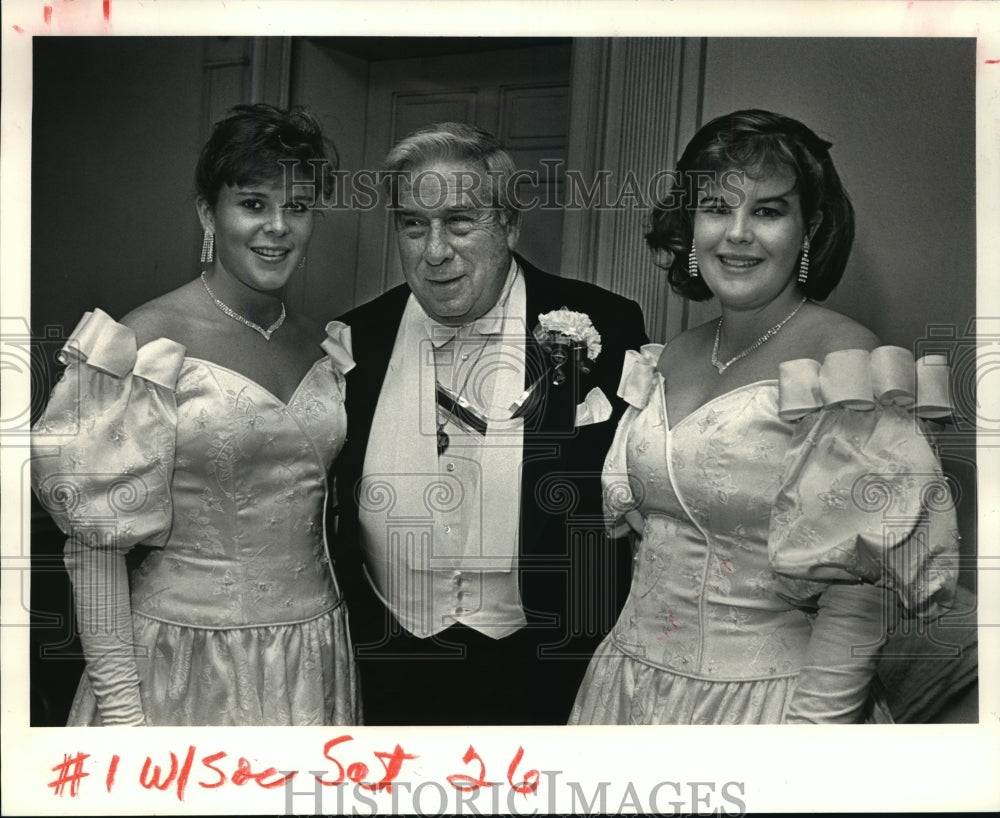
(201, 427)
(787, 506)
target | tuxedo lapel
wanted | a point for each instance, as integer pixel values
(373, 333)
(549, 426)
(374, 336)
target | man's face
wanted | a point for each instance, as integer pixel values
(455, 249)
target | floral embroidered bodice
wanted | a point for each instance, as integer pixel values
(234, 613)
(254, 527)
(749, 509)
(704, 598)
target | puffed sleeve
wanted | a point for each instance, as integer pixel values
(639, 384)
(864, 517)
(102, 460)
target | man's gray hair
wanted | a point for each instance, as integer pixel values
(458, 142)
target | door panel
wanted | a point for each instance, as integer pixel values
(520, 94)
(410, 111)
(534, 127)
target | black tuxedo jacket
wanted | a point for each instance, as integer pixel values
(573, 580)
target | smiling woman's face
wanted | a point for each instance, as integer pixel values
(455, 250)
(260, 236)
(748, 233)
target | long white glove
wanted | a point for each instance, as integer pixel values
(104, 616)
(833, 684)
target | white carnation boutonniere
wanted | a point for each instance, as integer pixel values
(563, 334)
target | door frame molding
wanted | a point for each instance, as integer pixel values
(634, 102)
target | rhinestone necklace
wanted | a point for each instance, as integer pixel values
(236, 316)
(767, 336)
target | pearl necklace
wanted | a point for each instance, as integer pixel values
(235, 315)
(767, 336)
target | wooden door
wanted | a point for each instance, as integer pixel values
(520, 94)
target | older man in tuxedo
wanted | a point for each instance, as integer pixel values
(469, 532)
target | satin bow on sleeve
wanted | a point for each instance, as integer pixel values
(103, 450)
(639, 376)
(863, 496)
(337, 345)
(639, 382)
(862, 380)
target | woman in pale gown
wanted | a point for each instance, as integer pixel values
(201, 426)
(773, 465)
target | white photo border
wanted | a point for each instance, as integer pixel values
(903, 768)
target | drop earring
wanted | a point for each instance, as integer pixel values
(208, 247)
(804, 262)
(692, 262)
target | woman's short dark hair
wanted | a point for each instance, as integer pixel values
(757, 142)
(249, 145)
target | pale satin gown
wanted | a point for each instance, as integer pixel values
(747, 509)
(236, 613)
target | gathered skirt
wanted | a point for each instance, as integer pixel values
(621, 689)
(277, 675)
